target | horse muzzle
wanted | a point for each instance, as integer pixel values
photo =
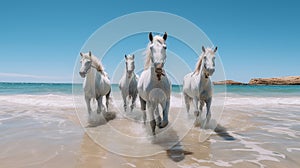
(209, 72)
(82, 74)
(129, 73)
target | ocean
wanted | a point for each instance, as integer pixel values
(44, 125)
(66, 88)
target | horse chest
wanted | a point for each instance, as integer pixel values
(203, 95)
(162, 84)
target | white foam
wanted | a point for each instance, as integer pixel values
(39, 100)
(217, 162)
(292, 149)
(281, 130)
(262, 101)
(254, 147)
(130, 164)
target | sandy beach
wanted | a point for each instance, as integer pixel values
(39, 132)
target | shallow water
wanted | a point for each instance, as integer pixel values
(42, 130)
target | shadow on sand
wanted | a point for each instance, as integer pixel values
(222, 132)
(168, 137)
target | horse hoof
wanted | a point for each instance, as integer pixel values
(197, 123)
(163, 124)
(158, 121)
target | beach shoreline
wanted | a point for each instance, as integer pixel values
(42, 130)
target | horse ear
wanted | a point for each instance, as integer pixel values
(203, 49)
(125, 56)
(165, 36)
(90, 53)
(216, 48)
(132, 56)
(150, 37)
(81, 54)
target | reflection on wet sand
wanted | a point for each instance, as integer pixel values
(92, 155)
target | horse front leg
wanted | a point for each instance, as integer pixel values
(88, 104)
(133, 101)
(196, 111)
(201, 108)
(143, 108)
(208, 105)
(99, 100)
(150, 111)
(157, 115)
(166, 108)
(124, 96)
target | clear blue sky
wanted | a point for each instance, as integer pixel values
(40, 40)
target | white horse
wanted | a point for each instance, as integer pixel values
(154, 87)
(128, 82)
(96, 81)
(197, 85)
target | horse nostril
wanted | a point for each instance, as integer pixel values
(159, 66)
(82, 74)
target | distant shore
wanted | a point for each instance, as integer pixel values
(287, 80)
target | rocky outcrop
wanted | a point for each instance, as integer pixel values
(288, 80)
(228, 82)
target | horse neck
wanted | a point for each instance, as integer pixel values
(153, 74)
(90, 77)
(203, 79)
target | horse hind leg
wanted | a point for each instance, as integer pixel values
(107, 97)
(143, 108)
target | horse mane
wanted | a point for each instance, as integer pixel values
(96, 63)
(198, 65)
(148, 53)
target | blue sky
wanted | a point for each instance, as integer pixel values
(40, 40)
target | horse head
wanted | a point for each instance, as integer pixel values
(208, 61)
(129, 60)
(158, 55)
(86, 63)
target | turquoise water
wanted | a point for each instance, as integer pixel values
(57, 88)
(261, 90)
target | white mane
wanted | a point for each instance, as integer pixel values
(96, 62)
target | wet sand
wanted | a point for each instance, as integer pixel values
(46, 136)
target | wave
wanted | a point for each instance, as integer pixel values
(48, 100)
(249, 100)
